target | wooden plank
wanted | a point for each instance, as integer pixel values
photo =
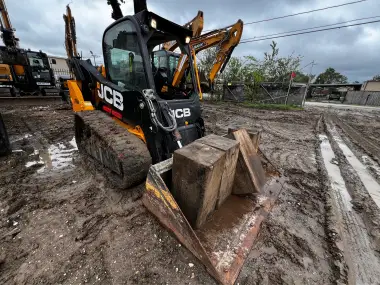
(231, 150)
(197, 173)
(250, 174)
(254, 135)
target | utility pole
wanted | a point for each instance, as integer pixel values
(292, 75)
(311, 69)
(308, 83)
(94, 56)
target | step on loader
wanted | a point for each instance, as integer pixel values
(211, 192)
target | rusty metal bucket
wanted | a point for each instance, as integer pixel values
(223, 243)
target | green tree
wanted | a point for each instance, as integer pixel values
(205, 59)
(376, 77)
(247, 70)
(252, 71)
(331, 76)
(276, 68)
(302, 77)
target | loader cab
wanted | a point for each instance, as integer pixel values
(133, 60)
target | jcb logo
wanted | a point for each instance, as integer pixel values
(182, 113)
(111, 96)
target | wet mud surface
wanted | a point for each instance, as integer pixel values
(62, 223)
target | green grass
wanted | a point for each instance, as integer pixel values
(272, 106)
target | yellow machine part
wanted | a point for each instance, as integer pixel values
(101, 68)
(197, 75)
(136, 130)
(5, 72)
(76, 97)
(224, 39)
(19, 69)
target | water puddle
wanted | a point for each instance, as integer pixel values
(333, 171)
(368, 181)
(18, 138)
(55, 157)
(362, 262)
(371, 164)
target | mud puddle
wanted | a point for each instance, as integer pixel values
(371, 165)
(333, 170)
(54, 157)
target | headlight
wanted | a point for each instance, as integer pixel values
(187, 40)
(153, 23)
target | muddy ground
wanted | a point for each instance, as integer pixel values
(62, 224)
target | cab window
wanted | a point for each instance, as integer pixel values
(124, 57)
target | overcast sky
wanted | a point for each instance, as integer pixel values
(352, 51)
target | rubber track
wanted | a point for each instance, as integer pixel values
(122, 156)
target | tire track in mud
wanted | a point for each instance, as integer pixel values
(296, 117)
(291, 159)
(292, 247)
(363, 263)
(299, 157)
(372, 148)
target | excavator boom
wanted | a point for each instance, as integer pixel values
(225, 47)
(225, 40)
(70, 34)
(7, 30)
(195, 25)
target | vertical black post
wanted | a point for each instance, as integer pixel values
(139, 5)
(116, 11)
(5, 147)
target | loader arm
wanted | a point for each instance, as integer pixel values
(195, 25)
(224, 39)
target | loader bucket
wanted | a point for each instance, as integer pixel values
(224, 241)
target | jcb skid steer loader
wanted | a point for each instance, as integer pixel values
(124, 124)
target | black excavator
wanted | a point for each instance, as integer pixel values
(128, 98)
(22, 71)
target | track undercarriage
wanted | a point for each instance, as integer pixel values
(121, 155)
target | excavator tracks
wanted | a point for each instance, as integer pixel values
(123, 157)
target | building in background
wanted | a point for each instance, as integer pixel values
(59, 66)
(371, 85)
